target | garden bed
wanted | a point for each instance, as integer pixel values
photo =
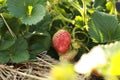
(35, 70)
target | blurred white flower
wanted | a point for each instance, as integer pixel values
(90, 61)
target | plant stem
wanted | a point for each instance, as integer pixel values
(84, 11)
(68, 20)
(27, 28)
(9, 29)
(73, 32)
(61, 17)
(85, 19)
(75, 5)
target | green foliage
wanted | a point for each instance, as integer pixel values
(29, 40)
(42, 25)
(104, 28)
(20, 9)
(5, 44)
(99, 3)
(1, 22)
(15, 51)
(4, 57)
(14, 24)
(39, 42)
(34, 18)
(19, 53)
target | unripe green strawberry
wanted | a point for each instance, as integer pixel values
(76, 44)
(69, 56)
(61, 41)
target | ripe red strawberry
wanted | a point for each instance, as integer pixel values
(61, 41)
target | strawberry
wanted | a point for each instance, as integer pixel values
(69, 56)
(61, 41)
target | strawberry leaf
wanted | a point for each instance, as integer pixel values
(19, 51)
(98, 3)
(36, 16)
(4, 56)
(6, 42)
(19, 8)
(39, 42)
(101, 31)
(20, 56)
(43, 25)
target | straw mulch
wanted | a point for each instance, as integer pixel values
(34, 70)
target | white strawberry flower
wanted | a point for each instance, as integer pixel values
(90, 61)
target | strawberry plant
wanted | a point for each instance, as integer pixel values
(67, 27)
(22, 32)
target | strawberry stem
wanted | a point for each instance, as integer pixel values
(9, 29)
(61, 17)
(77, 6)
